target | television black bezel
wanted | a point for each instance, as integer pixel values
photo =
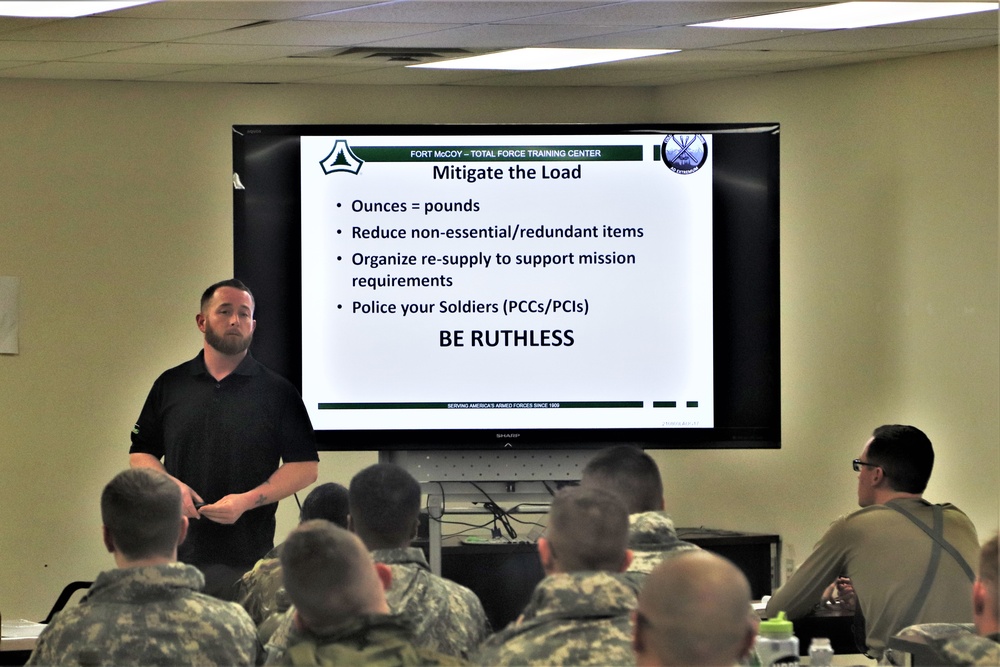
(267, 257)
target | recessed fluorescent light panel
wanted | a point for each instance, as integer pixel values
(543, 59)
(68, 9)
(853, 15)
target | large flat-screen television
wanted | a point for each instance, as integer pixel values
(517, 286)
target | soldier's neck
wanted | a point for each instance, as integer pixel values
(124, 563)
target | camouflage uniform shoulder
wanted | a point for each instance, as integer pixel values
(572, 619)
(935, 632)
(447, 617)
(277, 642)
(581, 594)
(149, 616)
(971, 649)
(950, 643)
(261, 591)
(372, 640)
(401, 556)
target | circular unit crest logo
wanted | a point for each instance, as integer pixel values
(684, 153)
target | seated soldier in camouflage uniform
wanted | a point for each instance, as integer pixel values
(384, 512)
(579, 613)
(694, 611)
(260, 591)
(632, 475)
(341, 616)
(958, 643)
(149, 611)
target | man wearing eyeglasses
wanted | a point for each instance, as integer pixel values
(907, 559)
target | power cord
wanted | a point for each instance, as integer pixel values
(499, 514)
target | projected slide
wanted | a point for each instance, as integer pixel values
(452, 281)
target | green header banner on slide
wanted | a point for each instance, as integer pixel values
(498, 153)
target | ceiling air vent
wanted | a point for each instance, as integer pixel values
(368, 54)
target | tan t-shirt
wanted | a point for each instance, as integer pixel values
(886, 556)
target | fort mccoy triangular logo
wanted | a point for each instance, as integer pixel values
(341, 158)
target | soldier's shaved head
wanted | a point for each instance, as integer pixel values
(141, 512)
(694, 610)
(384, 504)
(329, 575)
(587, 530)
(629, 473)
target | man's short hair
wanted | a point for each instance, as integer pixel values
(629, 473)
(694, 609)
(328, 573)
(207, 295)
(989, 570)
(588, 530)
(905, 455)
(141, 509)
(326, 501)
(385, 504)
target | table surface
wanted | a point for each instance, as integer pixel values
(19, 635)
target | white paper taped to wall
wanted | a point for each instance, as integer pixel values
(8, 314)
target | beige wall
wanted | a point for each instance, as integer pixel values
(889, 289)
(116, 213)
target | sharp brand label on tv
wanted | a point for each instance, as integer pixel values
(469, 284)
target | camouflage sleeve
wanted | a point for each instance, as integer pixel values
(971, 649)
(41, 655)
(259, 589)
(55, 645)
(274, 650)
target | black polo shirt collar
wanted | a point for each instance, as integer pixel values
(249, 366)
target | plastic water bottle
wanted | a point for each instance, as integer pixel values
(776, 645)
(820, 652)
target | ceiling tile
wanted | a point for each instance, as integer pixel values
(864, 39)
(206, 54)
(319, 33)
(652, 13)
(397, 76)
(498, 36)
(242, 10)
(458, 11)
(676, 38)
(10, 23)
(239, 74)
(11, 50)
(101, 29)
(75, 70)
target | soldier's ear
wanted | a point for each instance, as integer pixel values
(545, 555)
(416, 528)
(746, 646)
(978, 598)
(638, 642)
(182, 533)
(109, 542)
(384, 573)
(629, 555)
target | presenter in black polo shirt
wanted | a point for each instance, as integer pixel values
(233, 434)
